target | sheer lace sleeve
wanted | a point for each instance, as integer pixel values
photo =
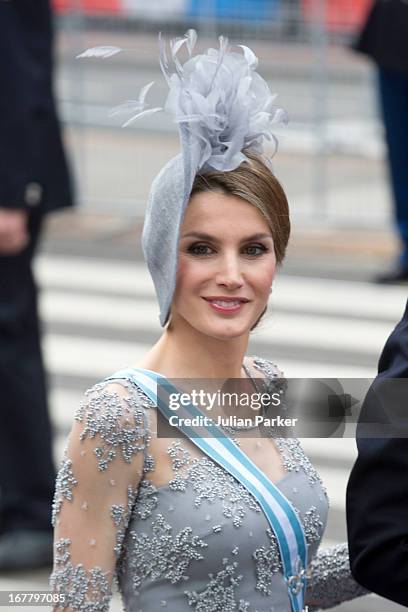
(330, 581)
(95, 490)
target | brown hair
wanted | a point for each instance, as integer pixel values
(254, 182)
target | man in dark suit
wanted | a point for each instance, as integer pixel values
(33, 181)
(377, 493)
(384, 39)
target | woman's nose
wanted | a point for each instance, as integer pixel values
(230, 273)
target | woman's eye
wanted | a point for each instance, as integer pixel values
(199, 249)
(256, 249)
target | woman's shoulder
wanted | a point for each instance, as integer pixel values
(116, 411)
(115, 395)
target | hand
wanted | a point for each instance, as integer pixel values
(13, 230)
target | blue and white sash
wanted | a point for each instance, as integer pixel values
(277, 508)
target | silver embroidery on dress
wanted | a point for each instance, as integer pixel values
(180, 457)
(312, 525)
(62, 554)
(267, 564)
(149, 462)
(164, 555)
(211, 483)
(219, 594)
(83, 590)
(64, 484)
(146, 500)
(268, 368)
(294, 460)
(118, 421)
(121, 516)
(329, 579)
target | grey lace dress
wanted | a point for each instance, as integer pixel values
(187, 537)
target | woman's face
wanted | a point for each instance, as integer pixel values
(226, 266)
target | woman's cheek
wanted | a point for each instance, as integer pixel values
(267, 279)
(182, 270)
(187, 275)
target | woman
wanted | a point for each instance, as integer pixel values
(164, 520)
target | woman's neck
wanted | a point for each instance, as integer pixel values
(187, 353)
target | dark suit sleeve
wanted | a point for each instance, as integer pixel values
(33, 169)
(377, 493)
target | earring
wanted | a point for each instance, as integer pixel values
(270, 290)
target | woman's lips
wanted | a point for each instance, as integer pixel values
(225, 306)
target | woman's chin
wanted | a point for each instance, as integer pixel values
(220, 327)
(226, 330)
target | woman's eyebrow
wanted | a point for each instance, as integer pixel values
(204, 236)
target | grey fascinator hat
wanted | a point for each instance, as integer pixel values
(222, 106)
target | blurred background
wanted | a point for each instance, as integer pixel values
(326, 317)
